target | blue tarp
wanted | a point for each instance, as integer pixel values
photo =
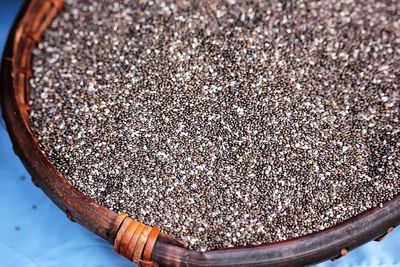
(35, 233)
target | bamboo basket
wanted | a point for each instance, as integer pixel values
(143, 244)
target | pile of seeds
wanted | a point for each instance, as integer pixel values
(228, 122)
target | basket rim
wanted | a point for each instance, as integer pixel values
(303, 250)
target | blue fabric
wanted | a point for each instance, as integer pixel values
(35, 233)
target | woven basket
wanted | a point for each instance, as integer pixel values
(140, 243)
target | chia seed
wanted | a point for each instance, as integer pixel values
(225, 123)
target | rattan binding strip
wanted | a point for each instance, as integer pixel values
(134, 240)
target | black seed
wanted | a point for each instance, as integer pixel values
(227, 123)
